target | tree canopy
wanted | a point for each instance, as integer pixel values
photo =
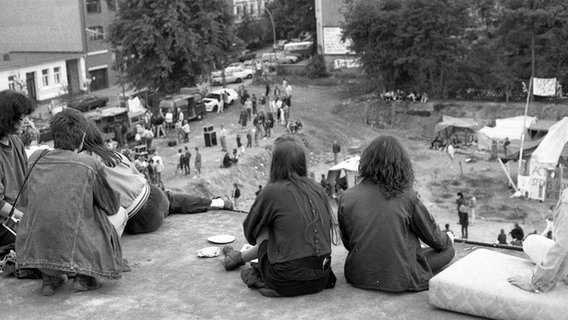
(454, 47)
(167, 45)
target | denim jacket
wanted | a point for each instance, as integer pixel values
(65, 227)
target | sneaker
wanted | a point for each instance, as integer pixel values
(267, 292)
(233, 258)
(227, 203)
(51, 283)
(84, 283)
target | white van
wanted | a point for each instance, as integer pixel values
(301, 49)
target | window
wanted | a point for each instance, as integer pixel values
(111, 5)
(12, 82)
(57, 75)
(96, 33)
(45, 77)
(93, 6)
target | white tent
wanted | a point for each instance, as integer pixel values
(347, 169)
(511, 128)
(549, 150)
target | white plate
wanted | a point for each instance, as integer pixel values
(221, 239)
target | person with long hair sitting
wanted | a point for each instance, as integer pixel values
(290, 224)
(382, 221)
(145, 203)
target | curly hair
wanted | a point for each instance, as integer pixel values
(13, 107)
(386, 163)
(95, 143)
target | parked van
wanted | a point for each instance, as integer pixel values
(300, 49)
(191, 106)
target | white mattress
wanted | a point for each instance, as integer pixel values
(477, 285)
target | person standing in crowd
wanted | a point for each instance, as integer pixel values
(187, 161)
(236, 195)
(248, 109)
(267, 88)
(151, 169)
(506, 144)
(464, 220)
(222, 137)
(502, 237)
(240, 146)
(249, 139)
(14, 108)
(148, 137)
(383, 221)
(472, 205)
(186, 130)
(290, 225)
(336, 149)
(181, 161)
(254, 106)
(221, 100)
(159, 165)
(197, 161)
(243, 118)
(549, 255)
(76, 216)
(288, 89)
(459, 202)
(268, 125)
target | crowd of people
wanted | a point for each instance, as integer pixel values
(82, 195)
(400, 95)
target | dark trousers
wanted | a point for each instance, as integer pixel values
(151, 216)
(438, 260)
(182, 203)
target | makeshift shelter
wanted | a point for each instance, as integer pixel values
(511, 128)
(463, 127)
(545, 178)
(344, 174)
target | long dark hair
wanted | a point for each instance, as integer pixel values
(386, 163)
(95, 143)
(289, 164)
(13, 107)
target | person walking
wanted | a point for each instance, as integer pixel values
(240, 146)
(336, 149)
(187, 160)
(197, 161)
(236, 194)
(249, 139)
(222, 137)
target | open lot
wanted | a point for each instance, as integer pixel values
(168, 281)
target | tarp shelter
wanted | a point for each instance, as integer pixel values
(540, 128)
(450, 126)
(511, 128)
(344, 173)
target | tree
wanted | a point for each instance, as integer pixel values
(170, 44)
(292, 17)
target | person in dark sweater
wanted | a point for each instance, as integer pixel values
(382, 222)
(290, 226)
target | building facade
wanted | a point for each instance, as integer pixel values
(253, 8)
(36, 34)
(329, 16)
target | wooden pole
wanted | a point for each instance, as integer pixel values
(524, 125)
(508, 176)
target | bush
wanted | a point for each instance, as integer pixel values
(316, 68)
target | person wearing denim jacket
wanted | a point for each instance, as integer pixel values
(67, 199)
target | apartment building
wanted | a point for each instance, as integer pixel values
(253, 8)
(48, 47)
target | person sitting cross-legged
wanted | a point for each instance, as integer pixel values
(290, 226)
(382, 221)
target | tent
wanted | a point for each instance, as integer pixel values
(344, 173)
(511, 128)
(544, 178)
(450, 125)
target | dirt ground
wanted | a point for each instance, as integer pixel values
(330, 112)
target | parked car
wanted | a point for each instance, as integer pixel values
(247, 55)
(212, 99)
(299, 49)
(278, 57)
(279, 45)
(87, 102)
(232, 74)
